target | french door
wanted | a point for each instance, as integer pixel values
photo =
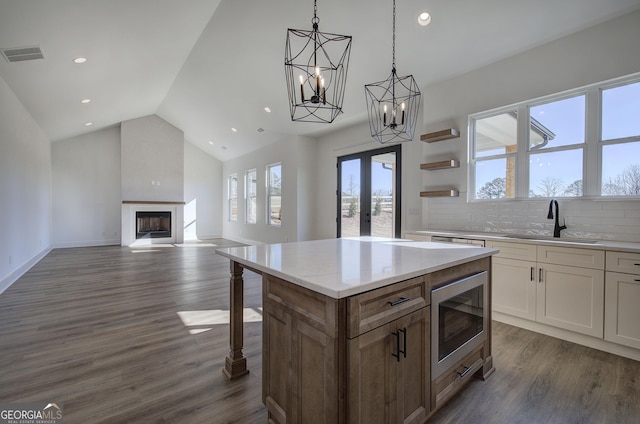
(369, 193)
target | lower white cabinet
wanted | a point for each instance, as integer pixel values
(564, 294)
(622, 307)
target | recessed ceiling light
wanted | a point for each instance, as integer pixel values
(424, 19)
(80, 60)
(88, 124)
(211, 142)
(85, 101)
(234, 130)
(267, 109)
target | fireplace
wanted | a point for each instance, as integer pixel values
(147, 222)
(153, 224)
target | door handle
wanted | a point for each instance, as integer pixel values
(539, 275)
(399, 301)
(399, 351)
(397, 354)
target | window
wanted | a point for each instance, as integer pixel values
(250, 196)
(232, 197)
(620, 140)
(551, 147)
(556, 145)
(274, 194)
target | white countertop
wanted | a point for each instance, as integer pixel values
(344, 267)
(619, 246)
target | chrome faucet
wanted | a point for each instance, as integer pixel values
(557, 227)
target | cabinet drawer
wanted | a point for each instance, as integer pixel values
(626, 262)
(445, 386)
(372, 309)
(526, 252)
(583, 258)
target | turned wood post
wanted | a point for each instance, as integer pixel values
(235, 364)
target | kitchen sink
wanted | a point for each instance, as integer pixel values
(549, 238)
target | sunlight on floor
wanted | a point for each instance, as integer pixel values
(201, 321)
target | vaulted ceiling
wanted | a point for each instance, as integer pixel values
(206, 66)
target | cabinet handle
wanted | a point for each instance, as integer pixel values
(637, 264)
(637, 279)
(399, 301)
(397, 354)
(465, 372)
(399, 351)
(404, 343)
(532, 276)
(539, 275)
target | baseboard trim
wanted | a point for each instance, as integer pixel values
(91, 243)
(7, 281)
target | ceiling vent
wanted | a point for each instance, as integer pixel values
(22, 53)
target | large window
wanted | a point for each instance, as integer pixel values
(232, 197)
(559, 146)
(251, 203)
(620, 140)
(274, 194)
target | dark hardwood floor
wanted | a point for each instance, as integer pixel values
(123, 335)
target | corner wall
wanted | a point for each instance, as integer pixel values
(599, 53)
(25, 189)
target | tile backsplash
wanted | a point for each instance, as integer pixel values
(592, 219)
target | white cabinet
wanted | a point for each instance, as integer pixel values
(622, 304)
(558, 286)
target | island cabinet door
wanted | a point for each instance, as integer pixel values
(300, 364)
(389, 372)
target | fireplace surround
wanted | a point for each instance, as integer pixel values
(152, 222)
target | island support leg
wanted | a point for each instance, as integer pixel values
(235, 364)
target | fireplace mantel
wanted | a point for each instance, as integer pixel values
(150, 202)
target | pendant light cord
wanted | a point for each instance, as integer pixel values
(393, 49)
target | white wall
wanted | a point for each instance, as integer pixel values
(202, 194)
(603, 52)
(86, 189)
(297, 156)
(152, 160)
(25, 189)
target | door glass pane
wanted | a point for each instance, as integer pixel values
(620, 110)
(350, 198)
(556, 174)
(621, 169)
(559, 123)
(382, 194)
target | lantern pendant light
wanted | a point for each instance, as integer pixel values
(393, 104)
(316, 65)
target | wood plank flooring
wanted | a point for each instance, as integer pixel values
(139, 335)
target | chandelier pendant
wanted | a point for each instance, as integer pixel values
(316, 65)
(393, 104)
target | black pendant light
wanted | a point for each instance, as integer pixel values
(315, 65)
(393, 104)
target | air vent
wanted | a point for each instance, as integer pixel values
(260, 130)
(22, 54)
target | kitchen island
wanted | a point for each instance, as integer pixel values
(347, 327)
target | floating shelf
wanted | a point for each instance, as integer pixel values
(445, 164)
(440, 135)
(440, 193)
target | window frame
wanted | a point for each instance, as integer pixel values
(231, 197)
(248, 196)
(592, 148)
(268, 194)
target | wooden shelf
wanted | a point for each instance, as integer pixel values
(445, 164)
(440, 193)
(440, 135)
